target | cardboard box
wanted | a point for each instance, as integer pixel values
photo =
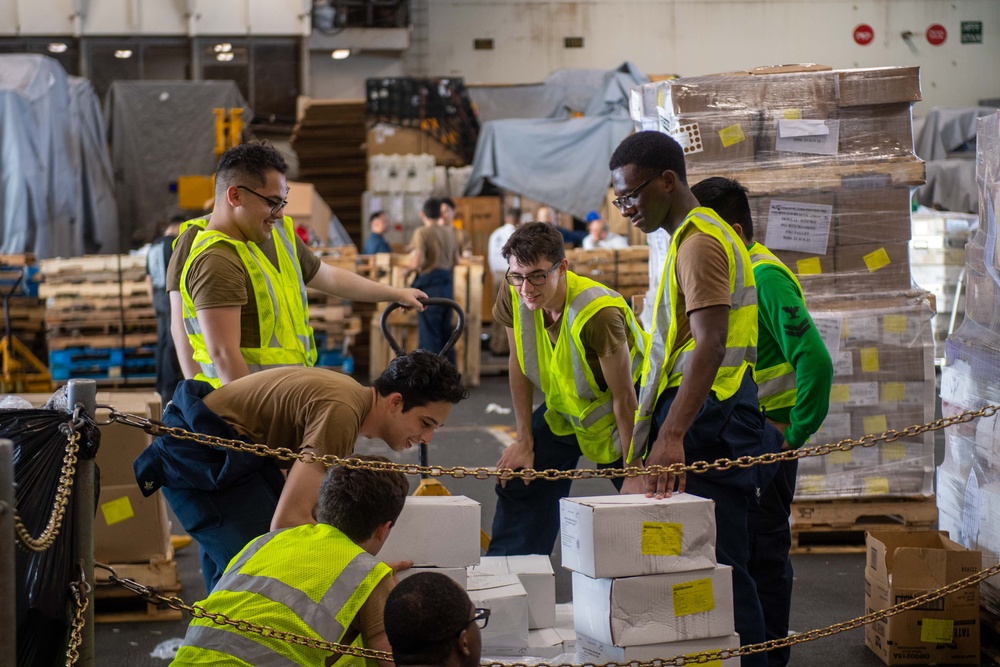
(622, 536)
(714, 137)
(459, 575)
(802, 223)
(879, 133)
(873, 268)
(816, 273)
(536, 575)
(385, 139)
(121, 444)
(306, 207)
(505, 597)
(873, 215)
(130, 528)
(436, 531)
(905, 564)
(590, 650)
(878, 85)
(656, 608)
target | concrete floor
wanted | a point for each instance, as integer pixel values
(828, 588)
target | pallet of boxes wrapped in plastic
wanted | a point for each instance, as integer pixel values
(968, 479)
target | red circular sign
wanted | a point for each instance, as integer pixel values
(936, 34)
(864, 34)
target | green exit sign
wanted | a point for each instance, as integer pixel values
(972, 32)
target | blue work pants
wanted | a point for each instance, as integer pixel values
(435, 322)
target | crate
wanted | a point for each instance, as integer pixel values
(114, 604)
(102, 363)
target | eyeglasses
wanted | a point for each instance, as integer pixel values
(628, 200)
(481, 618)
(536, 279)
(276, 205)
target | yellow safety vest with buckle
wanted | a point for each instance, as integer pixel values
(665, 362)
(286, 339)
(310, 580)
(576, 404)
(775, 384)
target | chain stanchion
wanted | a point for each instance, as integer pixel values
(66, 475)
(81, 601)
(157, 428)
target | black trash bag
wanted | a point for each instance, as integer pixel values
(44, 602)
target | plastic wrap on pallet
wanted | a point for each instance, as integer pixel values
(883, 355)
(969, 476)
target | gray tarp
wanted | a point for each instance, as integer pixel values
(561, 163)
(161, 130)
(946, 140)
(56, 190)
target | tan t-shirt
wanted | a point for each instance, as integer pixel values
(369, 621)
(182, 248)
(439, 246)
(702, 279)
(218, 278)
(602, 335)
(295, 407)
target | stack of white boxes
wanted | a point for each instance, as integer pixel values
(646, 583)
(534, 574)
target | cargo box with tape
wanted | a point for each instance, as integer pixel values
(623, 536)
(654, 609)
(436, 531)
(905, 564)
(592, 651)
(505, 597)
(536, 575)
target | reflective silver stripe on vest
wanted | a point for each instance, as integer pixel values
(776, 386)
(657, 356)
(576, 306)
(321, 617)
(234, 644)
(529, 344)
(293, 255)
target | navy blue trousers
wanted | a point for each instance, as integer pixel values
(729, 428)
(527, 515)
(434, 324)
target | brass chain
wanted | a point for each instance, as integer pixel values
(151, 594)
(157, 428)
(81, 599)
(63, 492)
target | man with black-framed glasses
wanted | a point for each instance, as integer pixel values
(431, 622)
(578, 342)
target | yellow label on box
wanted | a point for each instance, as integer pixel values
(877, 260)
(840, 456)
(811, 484)
(840, 393)
(117, 510)
(792, 114)
(661, 539)
(693, 597)
(937, 630)
(893, 391)
(693, 659)
(894, 323)
(893, 451)
(869, 360)
(874, 424)
(876, 486)
(809, 267)
(731, 135)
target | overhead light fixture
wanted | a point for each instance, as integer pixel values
(224, 47)
(57, 47)
(123, 53)
(224, 57)
(340, 54)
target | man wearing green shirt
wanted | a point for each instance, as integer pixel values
(794, 374)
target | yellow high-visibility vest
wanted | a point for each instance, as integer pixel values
(665, 362)
(310, 580)
(576, 404)
(286, 339)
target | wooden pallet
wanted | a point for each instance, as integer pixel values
(92, 264)
(126, 340)
(87, 291)
(839, 525)
(114, 604)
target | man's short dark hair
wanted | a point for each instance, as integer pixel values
(449, 202)
(533, 241)
(421, 377)
(247, 165)
(513, 212)
(424, 616)
(432, 209)
(651, 153)
(359, 501)
(376, 214)
(728, 198)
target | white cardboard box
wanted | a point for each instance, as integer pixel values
(435, 531)
(592, 651)
(505, 597)
(564, 625)
(624, 536)
(542, 643)
(538, 579)
(656, 608)
(459, 575)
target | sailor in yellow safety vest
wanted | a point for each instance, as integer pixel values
(578, 342)
(697, 396)
(240, 302)
(322, 581)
